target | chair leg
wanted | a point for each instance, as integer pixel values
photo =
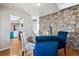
(23, 53)
(56, 53)
(65, 51)
(33, 52)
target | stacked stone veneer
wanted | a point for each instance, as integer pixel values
(63, 20)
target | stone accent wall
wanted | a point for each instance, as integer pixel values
(63, 20)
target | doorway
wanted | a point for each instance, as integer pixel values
(15, 27)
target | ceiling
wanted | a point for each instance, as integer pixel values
(43, 9)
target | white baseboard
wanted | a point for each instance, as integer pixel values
(4, 49)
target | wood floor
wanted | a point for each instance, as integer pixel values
(15, 50)
(15, 47)
(69, 52)
(5, 52)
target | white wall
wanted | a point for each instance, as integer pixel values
(35, 24)
(28, 25)
(4, 25)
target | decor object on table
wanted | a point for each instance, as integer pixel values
(49, 28)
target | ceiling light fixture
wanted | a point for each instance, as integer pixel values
(38, 4)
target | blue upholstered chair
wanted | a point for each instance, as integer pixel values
(45, 47)
(62, 37)
(11, 35)
(48, 45)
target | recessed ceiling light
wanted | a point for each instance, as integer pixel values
(38, 4)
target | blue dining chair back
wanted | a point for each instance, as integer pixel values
(45, 47)
(62, 37)
(11, 35)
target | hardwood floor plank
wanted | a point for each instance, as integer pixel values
(5, 52)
